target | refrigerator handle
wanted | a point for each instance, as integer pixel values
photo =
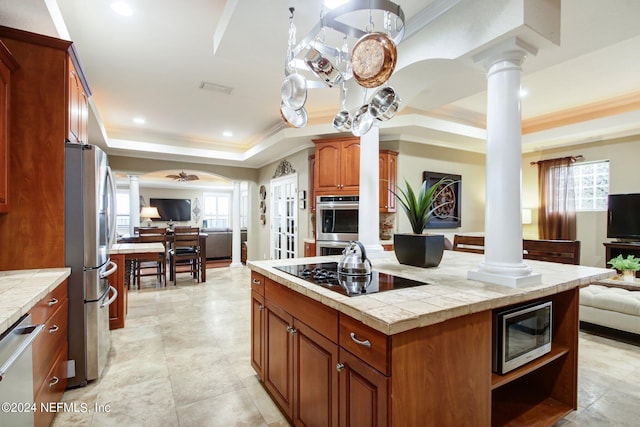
(113, 209)
(110, 271)
(112, 299)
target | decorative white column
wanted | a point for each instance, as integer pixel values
(368, 212)
(235, 226)
(134, 203)
(503, 225)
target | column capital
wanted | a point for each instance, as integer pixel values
(513, 50)
(133, 177)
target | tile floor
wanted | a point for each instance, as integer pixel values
(183, 360)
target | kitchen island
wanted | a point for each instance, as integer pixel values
(415, 356)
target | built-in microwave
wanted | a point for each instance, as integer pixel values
(520, 335)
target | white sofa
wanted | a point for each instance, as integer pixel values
(611, 306)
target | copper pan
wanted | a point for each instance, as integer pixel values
(373, 59)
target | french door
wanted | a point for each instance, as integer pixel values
(284, 217)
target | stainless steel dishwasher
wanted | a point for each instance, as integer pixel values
(16, 373)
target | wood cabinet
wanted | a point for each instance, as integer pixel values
(257, 324)
(388, 173)
(78, 115)
(364, 394)
(118, 308)
(309, 249)
(312, 183)
(37, 131)
(7, 66)
(300, 357)
(50, 350)
(438, 374)
(337, 166)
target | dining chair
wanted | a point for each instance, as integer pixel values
(157, 261)
(185, 249)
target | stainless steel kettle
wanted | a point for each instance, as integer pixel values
(353, 263)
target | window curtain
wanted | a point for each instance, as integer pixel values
(557, 217)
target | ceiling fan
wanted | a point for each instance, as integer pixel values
(183, 177)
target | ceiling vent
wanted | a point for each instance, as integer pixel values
(215, 87)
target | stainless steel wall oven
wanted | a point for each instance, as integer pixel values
(336, 223)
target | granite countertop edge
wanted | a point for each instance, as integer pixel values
(447, 295)
(20, 291)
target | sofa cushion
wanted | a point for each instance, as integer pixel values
(613, 299)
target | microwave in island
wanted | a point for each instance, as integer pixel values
(520, 335)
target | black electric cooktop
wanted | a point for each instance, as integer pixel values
(326, 275)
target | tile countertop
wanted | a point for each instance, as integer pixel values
(20, 290)
(448, 294)
(136, 248)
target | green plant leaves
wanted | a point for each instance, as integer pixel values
(629, 263)
(418, 208)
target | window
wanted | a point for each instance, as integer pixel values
(591, 185)
(217, 210)
(122, 212)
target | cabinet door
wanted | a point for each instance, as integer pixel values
(118, 309)
(278, 367)
(6, 65)
(364, 393)
(74, 103)
(312, 183)
(309, 249)
(350, 166)
(387, 180)
(327, 168)
(257, 333)
(315, 378)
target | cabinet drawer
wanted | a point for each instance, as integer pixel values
(318, 316)
(49, 304)
(51, 389)
(257, 282)
(366, 343)
(48, 344)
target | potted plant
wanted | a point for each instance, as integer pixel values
(628, 266)
(417, 249)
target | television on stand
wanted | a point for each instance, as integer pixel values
(623, 217)
(172, 209)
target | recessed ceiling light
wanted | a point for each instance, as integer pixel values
(523, 92)
(139, 120)
(227, 133)
(121, 8)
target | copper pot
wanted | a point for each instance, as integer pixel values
(373, 59)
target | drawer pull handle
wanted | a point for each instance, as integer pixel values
(55, 380)
(365, 343)
(54, 328)
(52, 301)
(339, 367)
(256, 282)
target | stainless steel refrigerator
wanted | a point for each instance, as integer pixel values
(90, 222)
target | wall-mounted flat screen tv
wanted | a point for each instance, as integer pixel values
(623, 216)
(172, 209)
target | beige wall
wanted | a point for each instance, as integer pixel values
(623, 155)
(413, 159)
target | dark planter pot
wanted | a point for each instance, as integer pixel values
(420, 250)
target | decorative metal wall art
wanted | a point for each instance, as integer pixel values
(448, 203)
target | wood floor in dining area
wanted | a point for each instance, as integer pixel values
(183, 359)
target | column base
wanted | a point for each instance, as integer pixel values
(236, 264)
(373, 249)
(504, 280)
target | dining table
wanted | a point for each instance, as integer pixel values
(202, 238)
